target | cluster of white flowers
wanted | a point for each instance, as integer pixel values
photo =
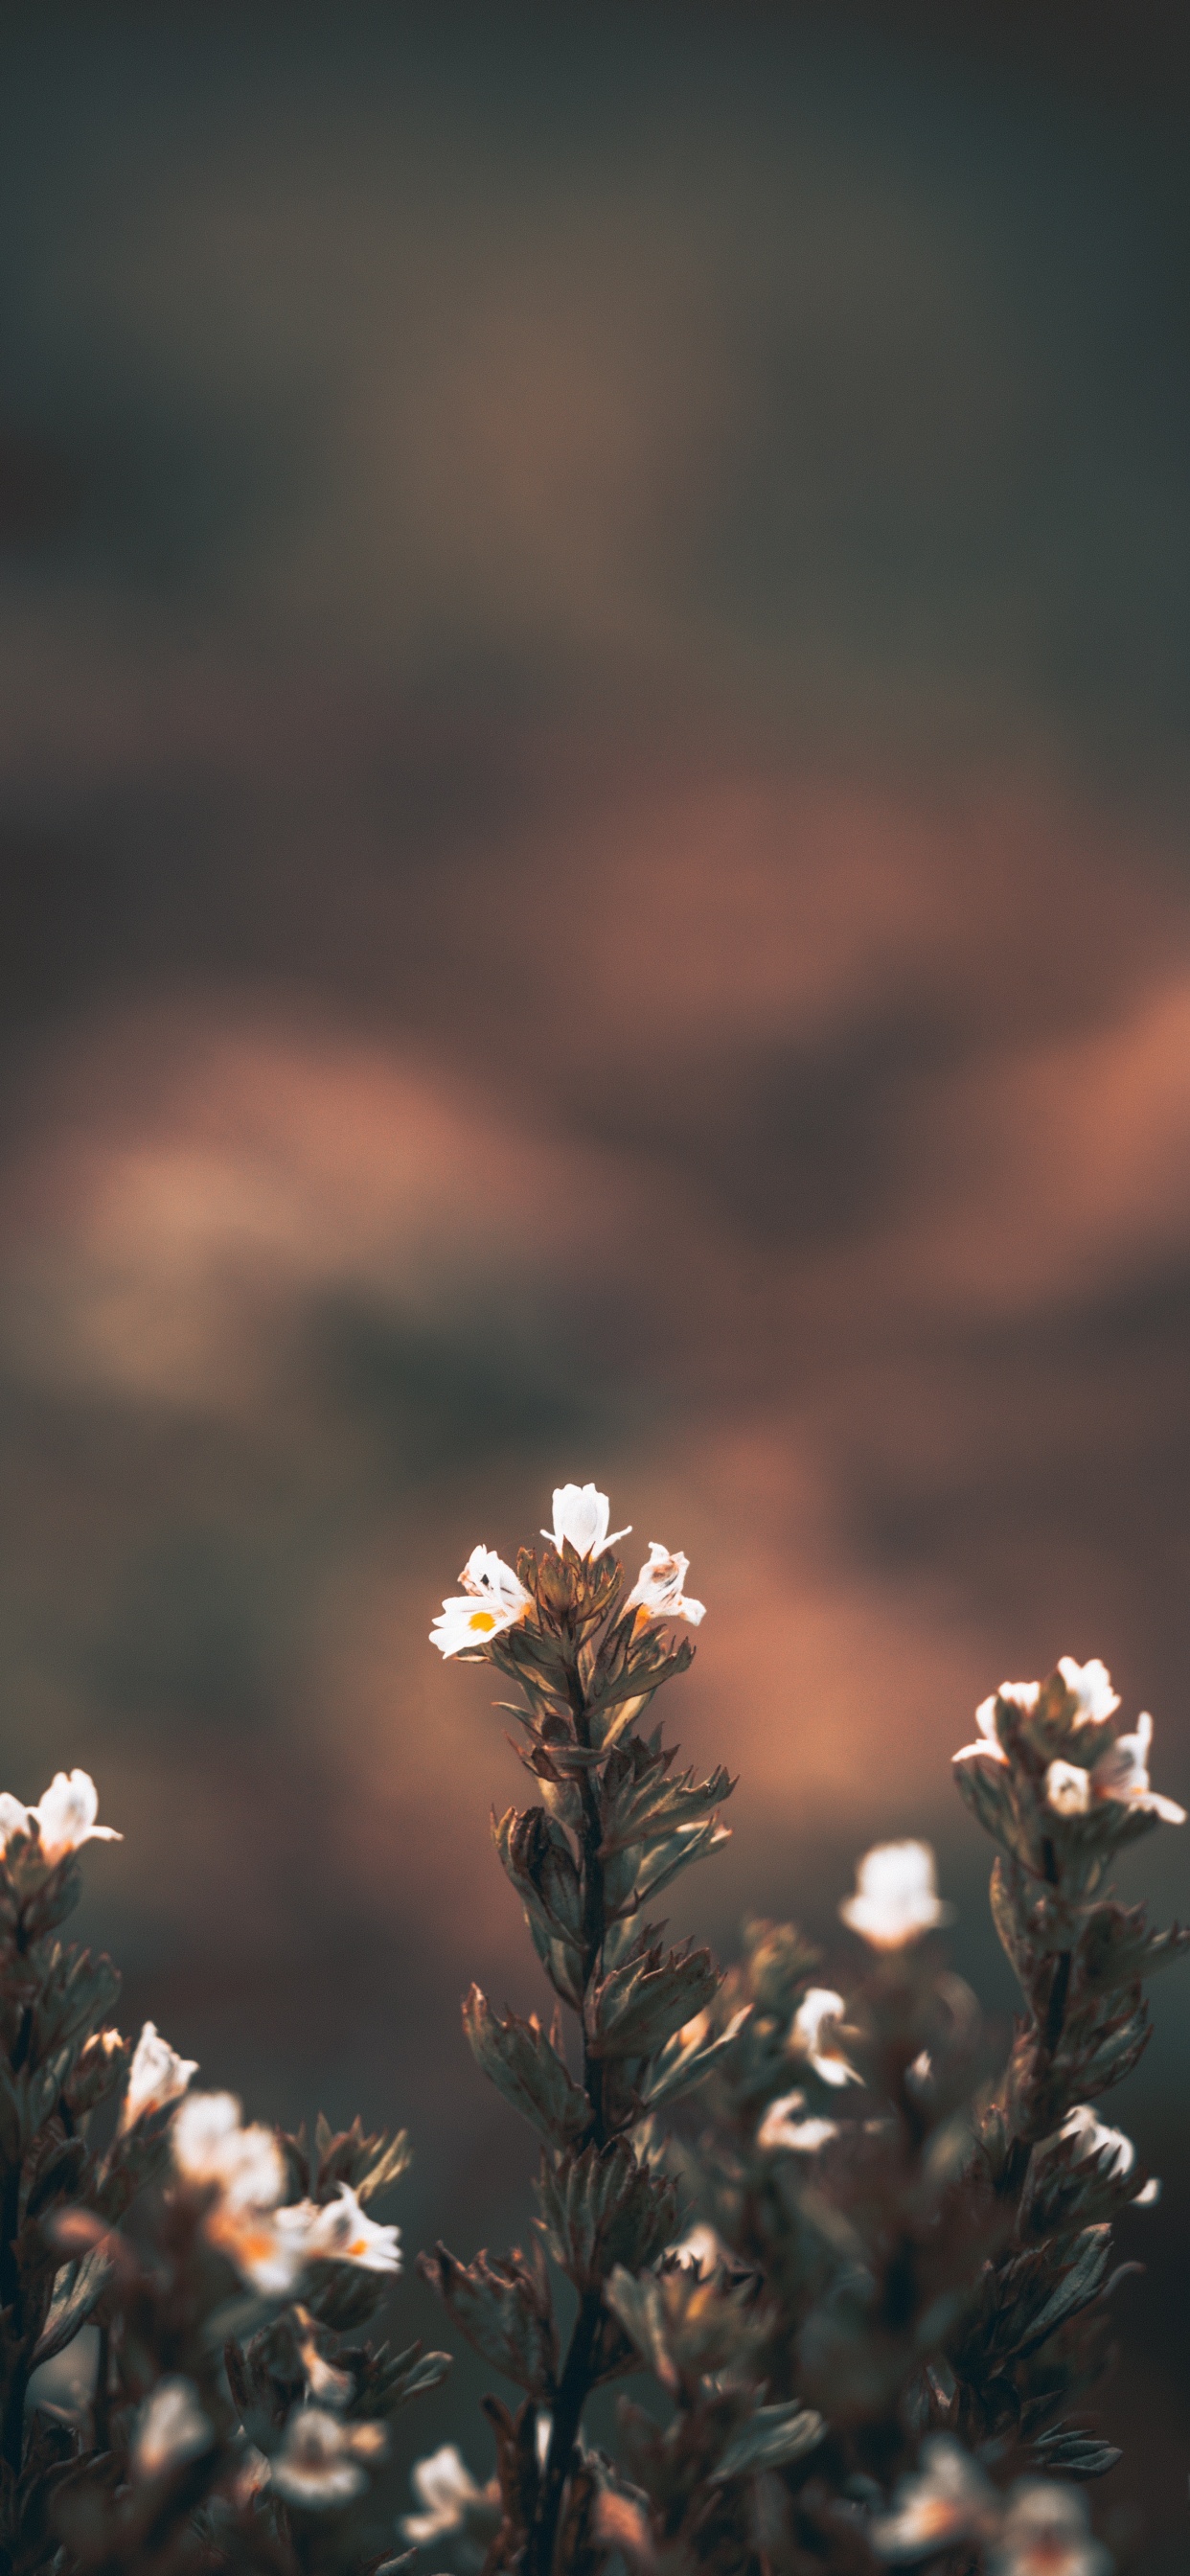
(493, 1598)
(61, 1822)
(1094, 2142)
(1118, 1775)
(1039, 2529)
(896, 1897)
(269, 2243)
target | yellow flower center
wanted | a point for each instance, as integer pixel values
(481, 1619)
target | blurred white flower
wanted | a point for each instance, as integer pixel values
(658, 1587)
(1094, 2141)
(896, 1896)
(1068, 1789)
(156, 2076)
(702, 2245)
(339, 2231)
(581, 1514)
(1122, 1774)
(948, 2499)
(780, 2132)
(1090, 1684)
(814, 2035)
(493, 1598)
(247, 2170)
(447, 2494)
(1046, 2532)
(318, 2464)
(63, 1819)
(170, 2428)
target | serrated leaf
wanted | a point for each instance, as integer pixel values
(773, 2437)
(1081, 2282)
(682, 2065)
(78, 2287)
(604, 2207)
(521, 2062)
(632, 2012)
(1072, 2449)
(503, 2309)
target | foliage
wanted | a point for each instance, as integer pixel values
(863, 2267)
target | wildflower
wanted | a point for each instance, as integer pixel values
(813, 2034)
(171, 2427)
(701, 2245)
(325, 2385)
(1091, 1685)
(447, 2494)
(62, 1821)
(658, 1587)
(493, 1598)
(156, 2076)
(247, 2170)
(1114, 2154)
(779, 2131)
(1045, 2532)
(896, 1896)
(340, 2232)
(1068, 1789)
(581, 1514)
(948, 2499)
(1120, 1775)
(318, 2463)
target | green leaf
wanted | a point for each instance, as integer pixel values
(639, 2006)
(77, 2289)
(1081, 2282)
(521, 2062)
(773, 2437)
(681, 2065)
(503, 2307)
(604, 2207)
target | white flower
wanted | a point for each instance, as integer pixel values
(62, 1821)
(813, 2034)
(780, 2132)
(1068, 1789)
(658, 1587)
(702, 2245)
(170, 2428)
(1090, 1685)
(247, 2170)
(1114, 2154)
(1045, 2533)
(1122, 1774)
(447, 2494)
(581, 1514)
(340, 2232)
(318, 2463)
(988, 1748)
(896, 1896)
(493, 1598)
(156, 2076)
(947, 2500)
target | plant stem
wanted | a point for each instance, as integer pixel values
(577, 2378)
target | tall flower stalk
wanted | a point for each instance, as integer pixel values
(611, 1827)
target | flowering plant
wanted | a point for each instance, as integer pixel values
(864, 2266)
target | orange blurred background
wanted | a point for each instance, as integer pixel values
(594, 647)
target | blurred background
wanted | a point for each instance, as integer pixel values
(594, 658)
